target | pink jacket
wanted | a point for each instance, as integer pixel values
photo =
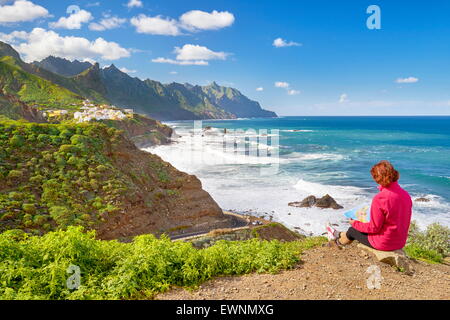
(390, 217)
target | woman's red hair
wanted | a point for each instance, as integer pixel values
(384, 173)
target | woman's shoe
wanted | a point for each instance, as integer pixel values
(332, 234)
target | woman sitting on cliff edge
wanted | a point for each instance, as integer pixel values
(390, 215)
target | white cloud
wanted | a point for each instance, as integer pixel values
(201, 20)
(407, 80)
(192, 21)
(181, 63)
(40, 43)
(156, 25)
(293, 92)
(173, 72)
(260, 89)
(191, 54)
(287, 86)
(127, 70)
(21, 11)
(196, 52)
(107, 23)
(93, 4)
(280, 84)
(343, 98)
(135, 4)
(74, 21)
(280, 43)
(13, 36)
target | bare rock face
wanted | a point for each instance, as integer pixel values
(422, 200)
(396, 258)
(325, 202)
(161, 199)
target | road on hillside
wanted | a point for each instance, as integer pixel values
(235, 223)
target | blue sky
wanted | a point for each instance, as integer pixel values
(326, 62)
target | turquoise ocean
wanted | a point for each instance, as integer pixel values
(315, 156)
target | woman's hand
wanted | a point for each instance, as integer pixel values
(351, 221)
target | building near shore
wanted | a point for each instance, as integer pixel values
(96, 113)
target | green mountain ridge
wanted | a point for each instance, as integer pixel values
(109, 85)
(63, 66)
(32, 89)
(70, 84)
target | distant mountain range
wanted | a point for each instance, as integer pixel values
(57, 82)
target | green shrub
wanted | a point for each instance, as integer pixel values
(29, 208)
(36, 267)
(15, 174)
(432, 244)
(62, 215)
(16, 141)
(39, 220)
(417, 252)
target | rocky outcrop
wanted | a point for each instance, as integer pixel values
(163, 199)
(143, 131)
(422, 200)
(396, 258)
(325, 202)
(308, 202)
(111, 185)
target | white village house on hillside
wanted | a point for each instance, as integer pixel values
(95, 113)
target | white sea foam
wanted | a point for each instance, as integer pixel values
(340, 192)
(435, 202)
(300, 156)
(436, 210)
(191, 152)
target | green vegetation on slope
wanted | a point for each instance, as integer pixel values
(55, 175)
(36, 267)
(81, 86)
(9, 109)
(32, 89)
(431, 245)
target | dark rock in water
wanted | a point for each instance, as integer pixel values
(325, 202)
(328, 202)
(308, 202)
(422, 200)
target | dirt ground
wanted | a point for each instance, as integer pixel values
(327, 273)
